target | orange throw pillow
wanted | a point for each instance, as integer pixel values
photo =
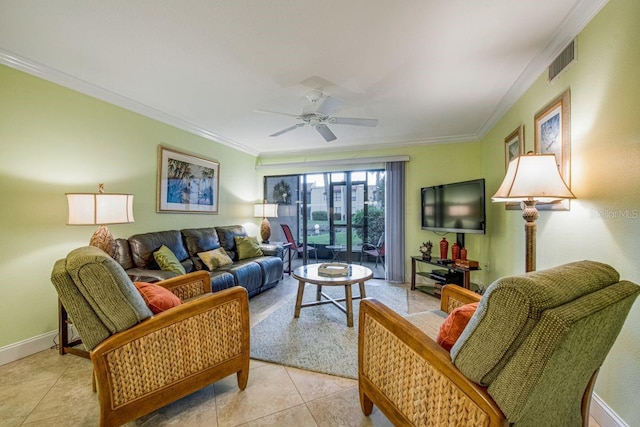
(454, 324)
(157, 298)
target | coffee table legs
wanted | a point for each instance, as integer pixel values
(301, 285)
(348, 299)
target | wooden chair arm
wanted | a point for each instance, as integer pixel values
(404, 372)
(187, 286)
(454, 296)
(173, 354)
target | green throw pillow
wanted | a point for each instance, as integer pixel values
(167, 260)
(248, 247)
(215, 258)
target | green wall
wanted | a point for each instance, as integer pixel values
(604, 222)
(54, 140)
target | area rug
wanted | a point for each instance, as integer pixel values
(319, 340)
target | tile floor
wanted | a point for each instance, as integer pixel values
(47, 389)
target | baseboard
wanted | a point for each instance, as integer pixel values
(15, 351)
(603, 414)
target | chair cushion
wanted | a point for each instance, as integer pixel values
(248, 247)
(167, 260)
(454, 324)
(215, 258)
(157, 298)
(89, 326)
(512, 306)
(107, 288)
(548, 373)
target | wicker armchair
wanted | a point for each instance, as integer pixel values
(157, 359)
(528, 356)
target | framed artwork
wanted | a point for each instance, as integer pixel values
(553, 136)
(513, 147)
(187, 183)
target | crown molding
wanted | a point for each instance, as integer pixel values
(573, 24)
(90, 89)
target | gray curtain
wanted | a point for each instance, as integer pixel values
(394, 221)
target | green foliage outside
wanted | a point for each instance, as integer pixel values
(319, 216)
(375, 224)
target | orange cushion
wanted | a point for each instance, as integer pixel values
(454, 324)
(158, 299)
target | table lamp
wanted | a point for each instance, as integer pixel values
(264, 210)
(100, 209)
(531, 179)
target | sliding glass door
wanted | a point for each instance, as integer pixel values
(336, 213)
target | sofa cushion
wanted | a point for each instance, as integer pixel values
(167, 261)
(215, 258)
(517, 304)
(248, 247)
(454, 324)
(199, 240)
(157, 298)
(144, 245)
(123, 254)
(107, 288)
(226, 235)
(272, 269)
(247, 274)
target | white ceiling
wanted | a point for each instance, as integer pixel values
(428, 70)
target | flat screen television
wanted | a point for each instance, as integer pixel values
(457, 207)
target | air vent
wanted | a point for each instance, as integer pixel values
(566, 57)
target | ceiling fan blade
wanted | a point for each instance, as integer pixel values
(326, 133)
(289, 129)
(329, 105)
(354, 121)
(277, 112)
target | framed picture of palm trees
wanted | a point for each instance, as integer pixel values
(187, 183)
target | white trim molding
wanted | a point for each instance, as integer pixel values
(20, 349)
(603, 414)
(337, 162)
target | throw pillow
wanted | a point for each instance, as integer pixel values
(454, 324)
(248, 247)
(168, 261)
(215, 258)
(158, 299)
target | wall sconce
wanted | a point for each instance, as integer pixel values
(531, 179)
(100, 209)
(264, 210)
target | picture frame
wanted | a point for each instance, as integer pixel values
(552, 129)
(513, 147)
(187, 183)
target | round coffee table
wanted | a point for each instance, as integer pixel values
(309, 274)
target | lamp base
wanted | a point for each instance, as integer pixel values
(103, 239)
(530, 215)
(265, 230)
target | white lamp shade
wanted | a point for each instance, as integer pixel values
(99, 208)
(265, 210)
(533, 177)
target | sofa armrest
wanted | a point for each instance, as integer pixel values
(405, 373)
(172, 355)
(188, 285)
(454, 296)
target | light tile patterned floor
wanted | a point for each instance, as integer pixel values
(47, 389)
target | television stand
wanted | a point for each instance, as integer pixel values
(446, 273)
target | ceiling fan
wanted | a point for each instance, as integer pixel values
(318, 115)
